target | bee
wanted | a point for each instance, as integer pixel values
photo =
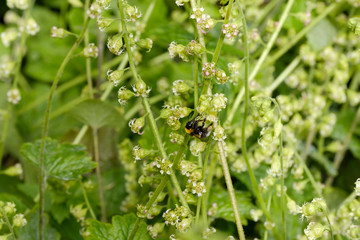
(196, 128)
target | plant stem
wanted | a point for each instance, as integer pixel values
(300, 35)
(339, 156)
(309, 140)
(87, 201)
(284, 74)
(204, 207)
(208, 187)
(42, 180)
(4, 131)
(196, 81)
(88, 60)
(246, 111)
(262, 58)
(200, 35)
(231, 190)
(98, 174)
(8, 223)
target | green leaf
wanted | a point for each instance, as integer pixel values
(225, 210)
(31, 230)
(321, 35)
(323, 160)
(64, 161)
(119, 229)
(96, 113)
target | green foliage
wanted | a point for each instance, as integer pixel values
(64, 161)
(119, 228)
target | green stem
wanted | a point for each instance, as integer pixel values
(8, 224)
(339, 156)
(309, 140)
(204, 207)
(208, 187)
(284, 74)
(261, 59)
(98, 174)
(87, 201)
(231, 190)
(246, 111)
(88, 60)
(266, 235)
(4, 131)
(198, 205)
(196, 82)
(200, 35)
(300, 35)
(42, 180)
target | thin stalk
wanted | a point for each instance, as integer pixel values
(88, 60)
(246, 111)
(266, 10)
(66, 86)
(8, 224)
(45, 130)
(231, 190)
(339, 156)
(284, 74)
(98, 174)
(159, 188)
(204, 207)
(208, 187)
(87, 201)
(196, 81)
(309, 140)
(198, 205)
(100, 59)
(300, 35)
(147, 108)
(200, 35)
(272, 40)
(262, 58)
(266, 234)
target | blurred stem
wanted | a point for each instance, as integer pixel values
(261, 60)
(196, 81)
(208, 187)
(309, 140)
(300, 35)
(9, 224)
(6, 117)
(231, 190)
(204, 207)
(88, 60)
(98, 174)
(246, 111)
(284, 74)
(87, 200)
(42, 180)
(100, 59)
(198, 205)
(266, 234)
(339, 156)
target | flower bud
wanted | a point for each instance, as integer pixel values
(354, 25)
(141, 211)
(219, 101)
(353, 97)
(176, 138)
(205, 23)
(104, 3)
(292, 206)
(124, 95)
(197, 13)
(58, 32)
(154, 211)
(31, 27)
(354, 232)
(197, 147)
(219, 133)
(269, 225)
(184, 225)
(145, 44)
(15, 170)
(268, 181)
(277, 128)
(78, 212)
(141, 89)
(14, 96)
(94, 10)
(136, 124)
(256, 214)
(19, 220)
(132, 13)
(11, 17)
(173, 122)
(8, 36)
(357, 187)
(314, 230)
(181, 112)
(166, 112)
(180, 87)
(115, 44)
(220, 76)
(91, 51)
(208, 70)
(194, 48)
(230, 30)
(88, 185)
(334, 146)
(103, 23)
(115, 76)
(10, 3)
(156, 229)
(140, 153)
(9, 208)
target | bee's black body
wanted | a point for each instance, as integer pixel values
(198, 130)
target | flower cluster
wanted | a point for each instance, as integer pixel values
(9, 217)
(180, 217)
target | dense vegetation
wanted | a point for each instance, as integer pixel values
(181, 119)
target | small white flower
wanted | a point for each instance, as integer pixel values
(14, 96)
